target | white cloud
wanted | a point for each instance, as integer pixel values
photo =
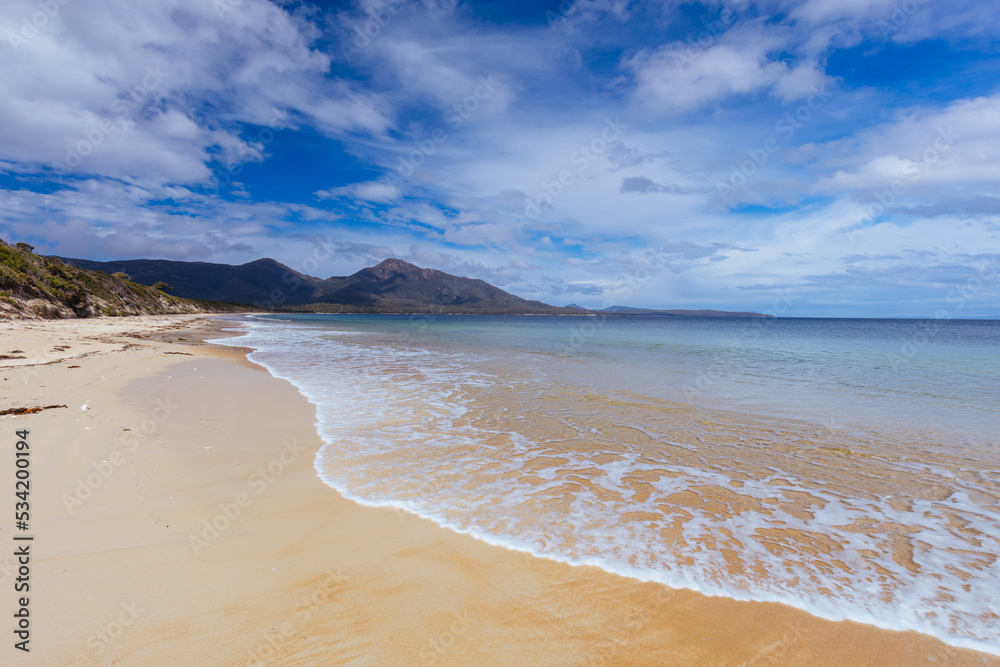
(800, 82)
(846, 22)
(371, 191)
(270, 64)
(824, 11)
(151, 92)
(683, 76)
(955, 146)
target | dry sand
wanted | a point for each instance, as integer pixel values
(178, 520)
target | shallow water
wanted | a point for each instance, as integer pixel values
(845, 467)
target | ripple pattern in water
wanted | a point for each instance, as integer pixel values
(887, 527)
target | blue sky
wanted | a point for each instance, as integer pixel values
(834, 157)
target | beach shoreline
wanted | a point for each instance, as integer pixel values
(179, 518)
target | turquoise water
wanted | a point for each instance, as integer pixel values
(846, 467)
(937, 375)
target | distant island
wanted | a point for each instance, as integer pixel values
(32, 285)
(625, 310)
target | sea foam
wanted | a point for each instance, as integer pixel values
(504, 446)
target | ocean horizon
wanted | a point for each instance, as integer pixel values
(846, 467)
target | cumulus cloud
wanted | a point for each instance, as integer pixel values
(848, 21)
(105, 219)
(125, 89)
(955, 146)
(680, 76)
(163, 96)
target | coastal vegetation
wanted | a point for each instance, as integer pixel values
(37, 287)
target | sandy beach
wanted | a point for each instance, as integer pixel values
(177, 519)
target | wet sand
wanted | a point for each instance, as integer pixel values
(179, 520)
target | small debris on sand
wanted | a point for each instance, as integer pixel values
(28, 411)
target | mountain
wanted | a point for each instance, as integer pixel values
(251, 283)
(36, 287)
(394, 286)
(397, 286)
(626, 310)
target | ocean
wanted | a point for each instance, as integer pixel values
(849, 468)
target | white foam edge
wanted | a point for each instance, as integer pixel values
(645, 575)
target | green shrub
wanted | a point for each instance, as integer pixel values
(14, 259)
